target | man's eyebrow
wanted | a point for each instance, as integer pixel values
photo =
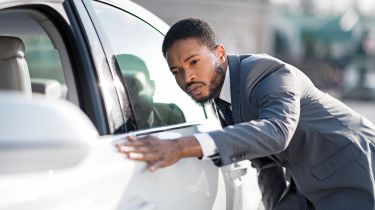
(175, 67)
(172, 67)
(188, 58)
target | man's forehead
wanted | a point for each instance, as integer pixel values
(184, 49)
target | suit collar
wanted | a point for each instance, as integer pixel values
(234, 64)
(225, 93)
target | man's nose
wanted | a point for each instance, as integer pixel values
(189, 75)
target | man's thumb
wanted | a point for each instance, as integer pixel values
(154, 166)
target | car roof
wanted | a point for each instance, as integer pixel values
(125, 5)
(140, 12)
(12, 1)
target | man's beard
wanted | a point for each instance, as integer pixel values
(216, 84)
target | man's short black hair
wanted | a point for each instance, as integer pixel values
(190, 28)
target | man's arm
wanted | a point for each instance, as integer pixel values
(276, 98)
(279, 108)
(160, 153)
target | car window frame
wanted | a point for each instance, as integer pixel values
(63, 17)
(116, 70)
(101, 66)
(122, 91)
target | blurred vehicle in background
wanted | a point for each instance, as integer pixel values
(359, 73)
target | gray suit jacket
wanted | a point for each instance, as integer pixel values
(327, 149)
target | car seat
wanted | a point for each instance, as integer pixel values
(14, 72)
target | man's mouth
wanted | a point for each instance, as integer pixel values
(194, 89)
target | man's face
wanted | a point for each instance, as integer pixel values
(198, 70)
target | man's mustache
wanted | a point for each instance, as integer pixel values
(192, 83)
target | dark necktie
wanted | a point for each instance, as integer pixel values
(224, 108)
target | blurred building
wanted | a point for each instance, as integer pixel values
(333, 42)
(243, 26)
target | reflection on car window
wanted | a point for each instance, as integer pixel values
(156, 98)
(141, 90)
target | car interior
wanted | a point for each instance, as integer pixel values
(14, 70)
(33, 58)
(44, 66)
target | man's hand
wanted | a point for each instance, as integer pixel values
(159, 153)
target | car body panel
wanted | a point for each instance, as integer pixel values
(105, 179)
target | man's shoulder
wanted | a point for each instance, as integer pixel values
(255, 67)
(262, 59)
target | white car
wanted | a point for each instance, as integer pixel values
(77, 77)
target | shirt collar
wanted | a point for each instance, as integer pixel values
(225, 90)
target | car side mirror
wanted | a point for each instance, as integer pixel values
(38, 134)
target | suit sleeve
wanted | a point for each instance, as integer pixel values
(278, 103)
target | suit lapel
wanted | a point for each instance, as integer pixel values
(234, 70)
(253, 70)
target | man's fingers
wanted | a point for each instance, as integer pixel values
(140, 149)
(131, 141)
(131, 138)
(148, 157)
(138, 141)
(154, 166)
(134, 143)
(145, 136)
(164, 164)
(135, 156)
(150, 149)
(133, 152)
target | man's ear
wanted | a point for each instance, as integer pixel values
(221, 53)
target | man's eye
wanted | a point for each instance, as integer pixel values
(174, 72)
(194, 61)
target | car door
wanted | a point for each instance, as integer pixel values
(62, 47)
(66, 61)
(132, 40)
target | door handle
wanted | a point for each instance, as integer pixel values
(237, 172)
(147, 206)
(140, 203)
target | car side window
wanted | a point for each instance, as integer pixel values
(156, 98)
(44, 63)
(42, 71)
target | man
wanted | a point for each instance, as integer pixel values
(141, 88)
(276, 117)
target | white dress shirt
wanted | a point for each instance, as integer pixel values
(209, 148)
